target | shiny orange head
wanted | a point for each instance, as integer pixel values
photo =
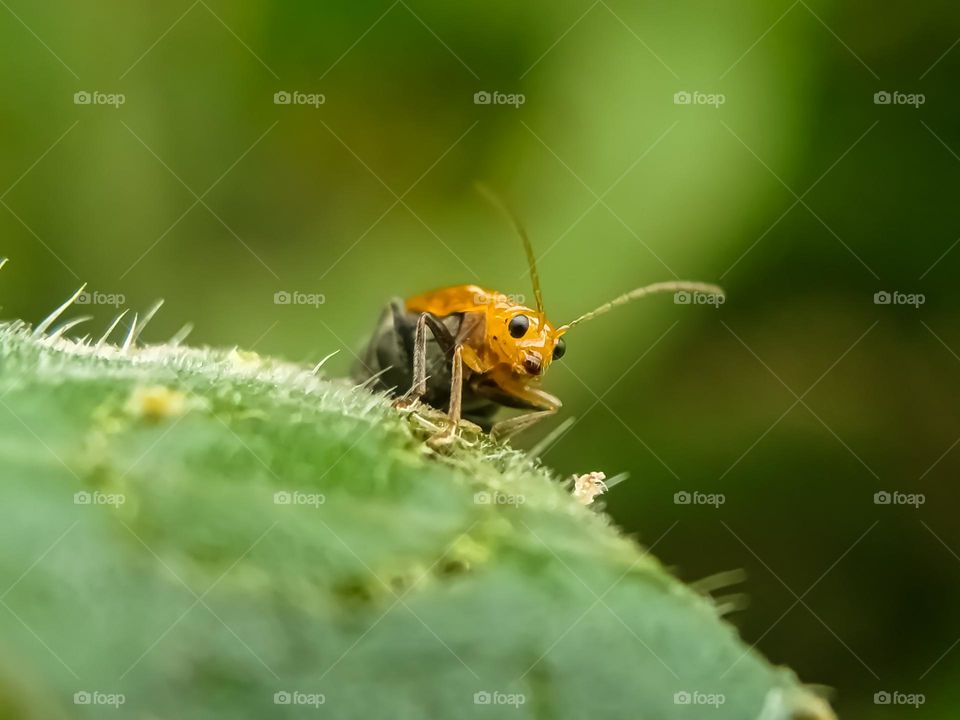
(521, 337)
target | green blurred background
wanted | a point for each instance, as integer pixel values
(798, 399)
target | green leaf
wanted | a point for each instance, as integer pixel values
(207, 534)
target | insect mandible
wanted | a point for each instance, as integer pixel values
(471, 350)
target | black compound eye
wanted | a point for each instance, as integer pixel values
(518, 326)
(559, 349)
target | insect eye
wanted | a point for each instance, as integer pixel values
(559, 349)
(518, 326)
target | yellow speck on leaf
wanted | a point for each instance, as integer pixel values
(245, 358)
(156, 402)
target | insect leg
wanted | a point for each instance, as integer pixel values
(506, 429)
(441, 333)
(446, 436)
(419, 387)
(456, 387)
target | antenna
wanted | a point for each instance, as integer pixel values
(660, 287)
(502, 206)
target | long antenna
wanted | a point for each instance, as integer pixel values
(502, 206)
(660, 287)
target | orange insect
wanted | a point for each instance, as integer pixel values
(483, 351)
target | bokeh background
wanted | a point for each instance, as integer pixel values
(797, 400)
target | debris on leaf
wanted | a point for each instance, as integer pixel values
(587, 487)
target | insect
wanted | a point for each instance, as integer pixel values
(471, 350)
